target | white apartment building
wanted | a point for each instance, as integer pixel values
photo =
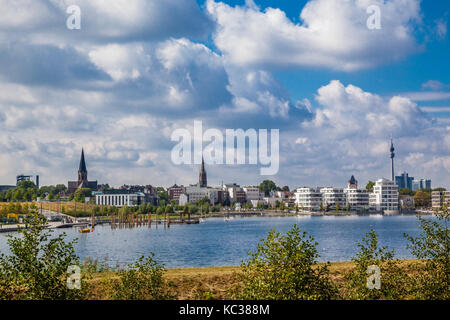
(357, 199)
(333, 197)
(194, 193)
(438, 198)
(252, 194)
(119, 199)
(308, 198)
(384, 197)
(272, 201)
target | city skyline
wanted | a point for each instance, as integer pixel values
(123, 83)
(402, 181)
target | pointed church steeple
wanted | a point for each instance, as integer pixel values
(82, 172)
(82, 161)
(202, 180)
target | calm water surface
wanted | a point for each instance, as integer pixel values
(219, 243)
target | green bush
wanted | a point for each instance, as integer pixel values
(142, 280)
(433, 246)
(284, 267)
(394, 281)
(37, 266)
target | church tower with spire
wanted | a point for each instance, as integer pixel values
(82, 172)
(82, 181)
(202, 181)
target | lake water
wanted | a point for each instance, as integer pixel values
(219, 243)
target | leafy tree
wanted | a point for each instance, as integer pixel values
(393, 279)
(267, 186)
(283, 267)
(104, 187)
(163, 194)
(80, 194)
(18, 196)
(285, 188)
(37, 266)
(406, 192)
(168, 209)
(60, 188)
(369, 186)
(433, 246)
(142, 280)
(422, 198)
(26, 184)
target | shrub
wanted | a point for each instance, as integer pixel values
(37, 266)
(433, 246)
(283, 267)
(142, 280)
(394, 281)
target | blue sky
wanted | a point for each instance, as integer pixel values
(138, 70)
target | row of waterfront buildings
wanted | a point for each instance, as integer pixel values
(383, 198)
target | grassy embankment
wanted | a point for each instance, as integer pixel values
(213, 282)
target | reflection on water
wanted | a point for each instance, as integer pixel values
(217, 242)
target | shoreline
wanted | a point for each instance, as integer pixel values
(9, 228)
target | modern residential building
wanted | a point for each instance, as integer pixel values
(284, 196)
(150, 192)
(357, 199)
(119, 198)
(240, 197)
(22, 177)
(195, 193)
(83, 181)
(404, 181)
(253, 194)
(235, 193)
(419, 184)
(438, 198)
(384, 197)
(308, 198)
(271, 201)
(333, 198)
(175, 191)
